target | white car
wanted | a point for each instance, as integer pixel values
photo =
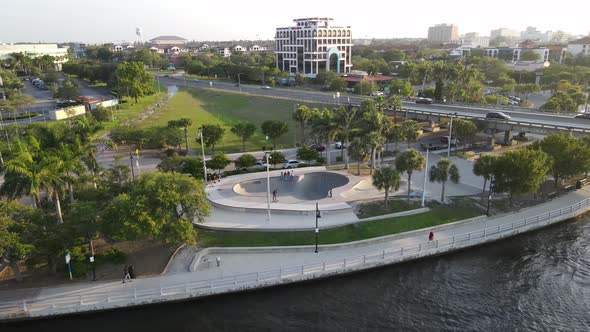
(291, 164)
(260, 165)
(339, 145)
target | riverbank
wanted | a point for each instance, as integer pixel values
(251, 268)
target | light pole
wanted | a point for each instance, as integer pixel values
(239, 82)
(203, 155)
(91, 258)
(267, 155)
(131, 163)
(450, 135)
(317, 229)
(492, 185)
(425, 177)
(295, 131)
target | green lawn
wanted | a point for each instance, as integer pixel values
(377, 208)
(204, 106)
(437, 216)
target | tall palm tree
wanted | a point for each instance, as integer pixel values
(322, 128)
(183, 123)
(484, 167)
(410, 130)
(52, 179)
(344, 121)
(395, 134)
(22, 177)
(71, 166)
(386, 178)
(442, 172)
(410, 161)
(303, 114)
(358, 151)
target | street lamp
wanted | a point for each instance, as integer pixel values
(492, 186)
(203, 155)
(425, 177)
(450, 134)
(239, 82)
(267, 155)
(317, 229)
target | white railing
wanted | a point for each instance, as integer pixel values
(250, 280)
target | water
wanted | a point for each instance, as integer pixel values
(534, 282)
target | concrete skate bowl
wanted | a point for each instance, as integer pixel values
(305, 187)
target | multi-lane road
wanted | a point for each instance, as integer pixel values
(517, 114)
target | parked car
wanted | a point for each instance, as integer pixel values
(265, 87)
(424, 101)
(339, 145)
(583, 116)
(497, 115)
(445, 141)
(317, 147)
(196, 80)
(260, 164)
(377, 93)
(292, 164)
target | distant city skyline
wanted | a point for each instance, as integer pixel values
(116, 21)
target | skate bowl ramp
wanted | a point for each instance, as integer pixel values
(309, 186)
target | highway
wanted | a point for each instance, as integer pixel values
(518, 115)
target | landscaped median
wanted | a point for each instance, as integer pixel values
(438, 215)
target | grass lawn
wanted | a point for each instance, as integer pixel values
(377, 208)
(353, 168)
(437, 216)
(204, 106)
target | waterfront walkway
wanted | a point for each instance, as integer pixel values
(239, 262)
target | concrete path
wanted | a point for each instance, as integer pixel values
(258, 260)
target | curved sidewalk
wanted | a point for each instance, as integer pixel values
(246, 268)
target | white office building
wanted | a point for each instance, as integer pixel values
(314, 45)
(579, 47)
(60, 54)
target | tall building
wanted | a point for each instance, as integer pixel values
(473, 39)
(443, 33)
(504, 32)
(314, 45)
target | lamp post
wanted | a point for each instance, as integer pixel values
(203, 155)
(91, 258)
(267, 155)
(294, 131)
(492, 185)
(317, 229)
(239, 82)
(425, 177)
(450, 134)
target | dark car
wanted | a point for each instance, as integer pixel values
(424, 101)
(583, 116)
(497, 115)
(317, 147)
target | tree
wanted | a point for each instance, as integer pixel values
(245, 160)
(527, 89)
(244, 130)
(134, 80)
(15, 235)
(212, 134)
(343, 124)
(386, 178)
(358, 151)
(183, 123)
(409, 161)
(484, 167)
(276, 157)
(302, 114)
(274, 129)
(465, 130)
(410, 130)
(520, 171)
(402, 88)
(68, 90)
(218, 162)
(395, 134)
(530, 56)
(443, 171)
(159, 206)
(567, 156)
(365, 87)
(306, 153)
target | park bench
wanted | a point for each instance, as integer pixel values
(552, 195)
(568, 188)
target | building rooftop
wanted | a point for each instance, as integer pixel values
(585, 40)
(163, 38)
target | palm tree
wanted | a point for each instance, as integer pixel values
(343, 125)
(183, 123)
(302, 114)
(52, 179)
(395, 103)
(386, 178)
(395, 134)
(322, 128)
(443, 171)
(410, 130)
(484, 166)
(410, 161)
(358, 151)
(22, 177)
(70, 162)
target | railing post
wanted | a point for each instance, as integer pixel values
(453, 239)
(484, 232)
(437, 243)
(401, 251)
(383, 257)
(161, 291)
(53, 302)
(186, 287)
(498, 228)
(135, 293)
(344, 262)
(512, 225)
(420, 247)
(302, 269)
(537, 218)
(469, 237)
(281, 273)
(235, 280)
(210, 283)
(109, 296)
(81, 300)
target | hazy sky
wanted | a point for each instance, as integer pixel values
(116, 20)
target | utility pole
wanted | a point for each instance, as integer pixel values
(425, 177)
(492, 186)
(317, 229)
(203, 155)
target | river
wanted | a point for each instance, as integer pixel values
(534, 282)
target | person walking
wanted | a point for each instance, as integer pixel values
(282, 176)
(131, 272)
(274, 195)
(431, 236)
(126, 274)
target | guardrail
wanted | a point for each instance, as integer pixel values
(132, 296)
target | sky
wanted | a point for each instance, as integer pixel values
(116, 20)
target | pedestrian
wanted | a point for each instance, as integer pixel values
(126, 275)
(282, 176)
(431, 236)
(274, 195)
(131, 272)
(218, 261)
(330, 193)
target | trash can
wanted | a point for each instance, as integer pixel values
(578, 184)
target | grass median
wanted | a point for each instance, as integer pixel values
(437, 216)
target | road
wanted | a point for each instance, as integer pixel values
(517, 114)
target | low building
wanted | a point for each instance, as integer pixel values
(225, 52)
(168, 40)
(579, 47)
(36, 50)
